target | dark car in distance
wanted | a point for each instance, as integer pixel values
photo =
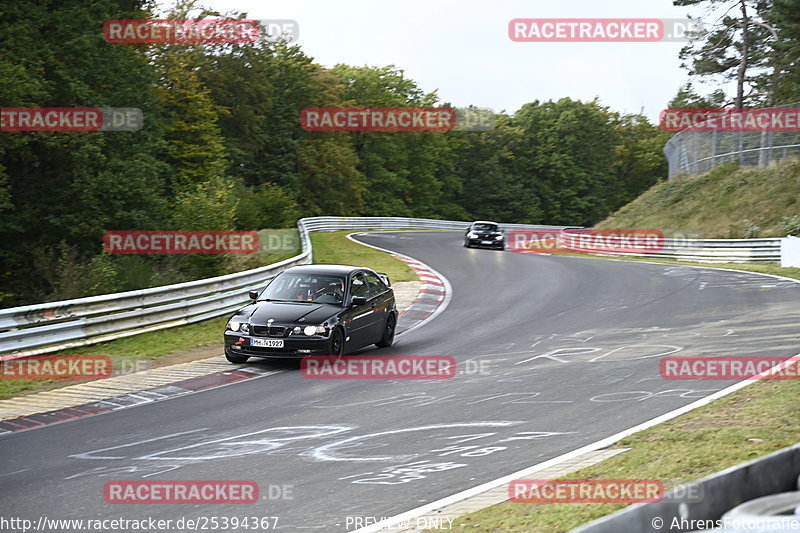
(314, 310)
(483, 233)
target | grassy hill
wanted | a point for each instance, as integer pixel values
(727, 203)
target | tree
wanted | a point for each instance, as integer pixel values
(687, 98)
(210, 205)
(72, 186)
(785, 17)
(404, 170)
(490, 189)
(565, 154)
(265, 206)
(195, 148)
(639, 162)
(737, 46)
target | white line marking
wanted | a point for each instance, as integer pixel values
(448, 288)
(15, 472)
(326, 453)
(396, 520)
(521, 474)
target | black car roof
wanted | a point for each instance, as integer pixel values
(341, 270)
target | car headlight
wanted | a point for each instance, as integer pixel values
(472, 235)
(314, 330)
(499, 237)
(232, 325)
(297, 330)
(244, 327)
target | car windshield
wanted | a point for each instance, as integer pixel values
(484, 227)
(305, 288)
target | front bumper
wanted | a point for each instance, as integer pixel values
(294, 346)
(488, 243)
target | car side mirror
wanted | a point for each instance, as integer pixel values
(253, 295)
(358, 300)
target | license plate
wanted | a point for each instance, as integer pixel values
(486, 242)
(267, 343)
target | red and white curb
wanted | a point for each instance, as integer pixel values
(103, 396)
(127, 399)
(434, 294)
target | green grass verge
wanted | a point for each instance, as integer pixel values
(331, 247)
(745, 425)
(728, 202)
(334, 247)
(126, 352)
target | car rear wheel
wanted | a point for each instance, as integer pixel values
(236, 358)
(336, 343)
(388, 332)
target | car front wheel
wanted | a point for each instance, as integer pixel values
(236, 358)
(388, 332)
(336, 343)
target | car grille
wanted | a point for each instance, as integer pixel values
(270, 331)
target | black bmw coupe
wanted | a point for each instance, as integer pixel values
(314, 310)
(483, 233)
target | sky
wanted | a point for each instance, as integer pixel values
(462, 48)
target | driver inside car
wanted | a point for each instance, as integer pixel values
(331, 293)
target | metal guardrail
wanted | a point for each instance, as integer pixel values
(48, 327)
(681, 249)
(718, 493)
(713, 250)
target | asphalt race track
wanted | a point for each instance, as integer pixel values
(570, 349)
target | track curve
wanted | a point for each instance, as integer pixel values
(570, 349)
